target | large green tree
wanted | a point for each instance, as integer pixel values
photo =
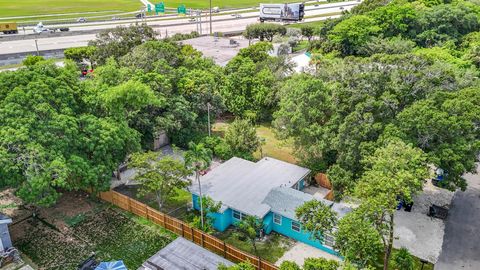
(242, 138)
(162, 176)
(394, 171)
(50, 140)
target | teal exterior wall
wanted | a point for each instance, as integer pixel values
(268, 223)
(221, 220)
(285, 228)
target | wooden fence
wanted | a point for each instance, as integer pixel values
(185, 230)
(322, 180)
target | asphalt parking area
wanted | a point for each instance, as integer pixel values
(461, 243)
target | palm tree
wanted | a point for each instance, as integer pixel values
(198, 158)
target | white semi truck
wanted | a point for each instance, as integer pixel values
(282, 12)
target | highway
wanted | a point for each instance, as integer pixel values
(221, 23)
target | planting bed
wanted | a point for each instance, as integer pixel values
(65, 235)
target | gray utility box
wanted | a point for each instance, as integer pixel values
(5, 241)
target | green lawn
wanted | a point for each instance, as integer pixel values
(271, 249)
(272, 147)
(10, 8)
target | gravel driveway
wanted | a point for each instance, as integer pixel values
(461, 244)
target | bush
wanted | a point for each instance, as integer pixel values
(264, 31)
(320, 264)
(403, 260)
(288, 265)
(32, 60)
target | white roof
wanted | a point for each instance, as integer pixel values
(243, 185)
(284, 201)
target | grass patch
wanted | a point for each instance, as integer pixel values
(35, 7)
(272, 147)
(302, 45)
(270, 249)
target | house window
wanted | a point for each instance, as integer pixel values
(277, 219)
(238, 215)
(328, 240)
(295, 226)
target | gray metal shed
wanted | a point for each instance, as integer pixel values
(182, 254)
(5, 240)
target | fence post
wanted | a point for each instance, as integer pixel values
(129, 206)
(203, 243)
(146, 212)
(183, 232)
(164, 222)
(259, 263)
(193, 234)
(224, 250)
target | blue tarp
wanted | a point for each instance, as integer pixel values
(117, 265)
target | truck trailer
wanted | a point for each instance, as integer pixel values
(282, 12)
(9, 28)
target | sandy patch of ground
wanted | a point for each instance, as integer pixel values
(300, 251)
(421, 234)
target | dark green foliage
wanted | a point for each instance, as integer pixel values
(31, 60)
(288, 265)
(80, 54)
(264, 31)
(119, 41)
(242, 139)
(320, 264)
(403, 260)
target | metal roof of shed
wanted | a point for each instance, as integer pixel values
(182, 254)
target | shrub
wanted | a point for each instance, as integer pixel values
(32, 60)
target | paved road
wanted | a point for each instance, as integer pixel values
(461, 243)
(173, 19)
(173, 26)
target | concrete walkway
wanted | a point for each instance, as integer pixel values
(300, 251)
(461, 244)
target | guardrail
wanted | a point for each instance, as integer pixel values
(185, 230)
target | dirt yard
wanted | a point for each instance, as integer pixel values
(62, 236)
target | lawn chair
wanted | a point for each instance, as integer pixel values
(8, 256)
(438, 211)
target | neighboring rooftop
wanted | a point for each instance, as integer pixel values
(182, 254)
(219, 49)
(285, 201)
(243, 185)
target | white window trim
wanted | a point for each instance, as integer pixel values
(278, 223)
(239, 214)
(299, 226)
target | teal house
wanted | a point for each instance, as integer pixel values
(269, 189)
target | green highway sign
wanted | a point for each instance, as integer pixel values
(182, 10)
(149, 8)
(160, 8)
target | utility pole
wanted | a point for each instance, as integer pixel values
(36, 45)
(200, 21)
(210, 17)
(208, 110)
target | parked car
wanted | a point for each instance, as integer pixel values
(82, 20)
(139, 15)
(192, 19)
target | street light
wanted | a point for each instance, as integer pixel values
(210, 17)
